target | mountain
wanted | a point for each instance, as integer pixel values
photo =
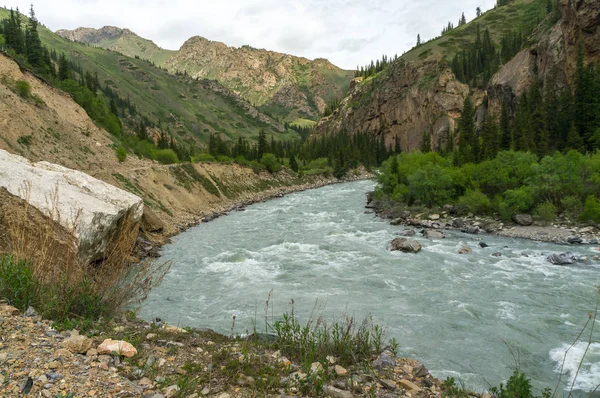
(119, 40)
(420, 95)
(191, 110)
(282, 85)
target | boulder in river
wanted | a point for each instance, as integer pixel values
(433, 234)
(566, 258)
(483, 245)
(405, 245)
(84, 213)
(406, 232)
(523, 219)
(574, 240)
(465, 250)
(472, 229)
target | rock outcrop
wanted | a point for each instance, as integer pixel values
(406, 100)
(553, 57)
(78, 206)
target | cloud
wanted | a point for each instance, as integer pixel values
(347, 32)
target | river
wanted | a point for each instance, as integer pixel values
(473, 317)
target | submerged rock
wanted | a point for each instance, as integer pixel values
(405, 245)
(433, 234)
(465, 250)
(406, 232)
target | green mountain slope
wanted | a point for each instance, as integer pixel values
(516, 16)
(285, 86)
(190, 109)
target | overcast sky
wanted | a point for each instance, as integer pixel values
(347, 32)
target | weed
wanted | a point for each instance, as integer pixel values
(25, 140)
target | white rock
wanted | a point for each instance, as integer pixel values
(94, 207)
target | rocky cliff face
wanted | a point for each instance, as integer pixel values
(405, 100)
(92, 36)
(553, 57)
(261, 76)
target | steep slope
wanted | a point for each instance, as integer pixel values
(285, 86)
(190, 109)
(419, 95)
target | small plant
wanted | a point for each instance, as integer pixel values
(121, 153)
(23, 88)
(17, 283)
(25, 140)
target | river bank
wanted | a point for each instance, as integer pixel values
(561, 231)
(160, 361)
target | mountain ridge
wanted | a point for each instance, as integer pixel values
(284, 85)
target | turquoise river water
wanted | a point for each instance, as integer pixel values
(472, 317)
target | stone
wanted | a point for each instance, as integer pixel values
(458, 223)
(405, 245)
(316, 367)
(224, 395)
(92, 352)
(574, 240)
(421, 371)
(171, 391)
(523, 219)
(472, 230)
(53, 365)
(434, 217)
(406, 232)
(448, 208)
(566, 258)
(63, 353)
(333, 392)
(409, 385)
(497, 254)
(205, 391)
(397, 221)
(433, 234)
(10, 310)
(465, 250)
(145, 382)
(120, 347)
(92, 211)
(31, 312)
(389, 384)
(331, 359)
(384, 360)
(78, 344)
(483, 245)
(26, 385)
(340, 370)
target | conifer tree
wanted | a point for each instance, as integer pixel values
(33, 43)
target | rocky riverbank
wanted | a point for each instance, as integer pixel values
(562, 231)
(157, 360)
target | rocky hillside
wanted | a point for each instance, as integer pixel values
(419, 95)
(120, 40)
(283, 85)
(191, 110)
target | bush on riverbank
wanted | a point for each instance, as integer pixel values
(513, 182)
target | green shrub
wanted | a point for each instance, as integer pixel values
(571, 206)
(166, 156)
(257, 167)
(25, 140)
(224, 159)
(203, 157)
(17, 284)
(23, 88)
(271, 162)
(545, 212)
(474, 201)
(518, 386)
(518, 200)
(591, 210)
(121, 153)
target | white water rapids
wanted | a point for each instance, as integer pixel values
(474, 317)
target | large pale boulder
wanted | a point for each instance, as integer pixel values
(81, 207)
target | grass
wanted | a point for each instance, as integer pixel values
(42, 269)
